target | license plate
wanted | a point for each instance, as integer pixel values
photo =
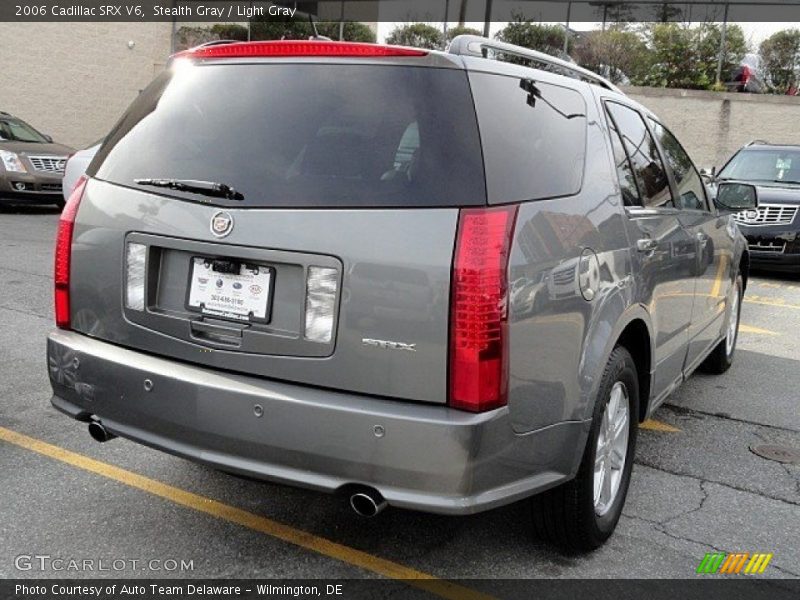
(243, 296)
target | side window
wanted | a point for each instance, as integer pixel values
(627, 182)
(534, 137)
(651, 177)
(691, 191)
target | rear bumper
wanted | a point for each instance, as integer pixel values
(429, 458)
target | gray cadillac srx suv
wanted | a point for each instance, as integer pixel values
(442, 281)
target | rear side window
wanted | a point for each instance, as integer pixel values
(534, 138)
(691, 191)
(627, 182)
(304, 135)
(651, 178)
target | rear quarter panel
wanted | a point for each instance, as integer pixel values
(560, 340)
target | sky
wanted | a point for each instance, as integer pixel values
(755, 33)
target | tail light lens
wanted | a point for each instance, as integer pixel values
(479, 311)
(66, 226)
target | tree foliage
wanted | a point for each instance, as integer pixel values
(686, 57)
(614, 53)
(418, 35)
(300, 29)
(780, 58)
(536, 36)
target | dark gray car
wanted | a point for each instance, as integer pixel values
(31, 164)
(423, 279)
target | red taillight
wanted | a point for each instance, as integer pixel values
(479, 310)
(63, 254)
(298, 48)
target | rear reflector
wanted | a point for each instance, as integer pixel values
(479, 310)
(288, 48)
(66, 226)
(321, 286)
(135, 255)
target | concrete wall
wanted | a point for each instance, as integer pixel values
(713, 125)
(74, 80)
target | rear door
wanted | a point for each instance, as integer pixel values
(664, 251)
(331, 263)
(714, 236)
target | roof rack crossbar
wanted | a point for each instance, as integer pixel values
(474, 45)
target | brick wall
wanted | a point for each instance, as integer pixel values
(712, 126)
(74, 80)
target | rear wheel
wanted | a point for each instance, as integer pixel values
(721, 358)
(581, 514)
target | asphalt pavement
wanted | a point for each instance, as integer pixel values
(697, 487)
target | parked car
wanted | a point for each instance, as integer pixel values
(748, 76)
(31, 165)
(293, 260)
(76, 167)
(773, 230)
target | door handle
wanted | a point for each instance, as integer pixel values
(646, 245)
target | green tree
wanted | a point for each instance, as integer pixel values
(707, 42)
(780, 57)
(418, 35)
(301, 29)
(230, 31)
(544, 38)
(614, 53)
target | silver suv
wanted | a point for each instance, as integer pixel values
(428, 280)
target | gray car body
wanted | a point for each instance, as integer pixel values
(358, 414)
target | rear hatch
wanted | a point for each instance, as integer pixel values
(327, 258)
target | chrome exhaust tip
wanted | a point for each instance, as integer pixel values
(367, 503)
(100, 433)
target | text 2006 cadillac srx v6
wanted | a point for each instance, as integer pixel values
(429, 280)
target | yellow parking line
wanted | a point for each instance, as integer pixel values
(757, 330)
(226, 512)
(654, 425)
(769, 302)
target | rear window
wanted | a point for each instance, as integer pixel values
(534, 137)
(304, 135)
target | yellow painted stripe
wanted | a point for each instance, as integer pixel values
(764, 564)
(769, 302)
(654, 425)
(226, 512)
(757, 330)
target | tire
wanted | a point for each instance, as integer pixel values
(568, 515)
(721, 357)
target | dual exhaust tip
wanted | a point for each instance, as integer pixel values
(366, 503)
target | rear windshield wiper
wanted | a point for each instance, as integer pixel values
(207, 188)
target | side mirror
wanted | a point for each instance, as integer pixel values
(733, 197)
(49, 138)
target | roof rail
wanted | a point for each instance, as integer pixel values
(474, 45)
(756, 143)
